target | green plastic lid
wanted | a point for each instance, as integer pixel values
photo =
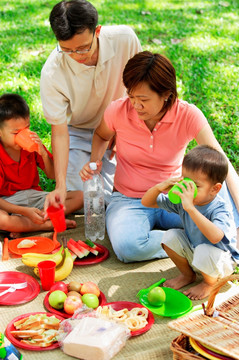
(174, 198)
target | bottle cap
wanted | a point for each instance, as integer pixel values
(174, 198)
(93, 166)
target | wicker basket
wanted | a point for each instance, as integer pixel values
(220, 332)
(182, 349)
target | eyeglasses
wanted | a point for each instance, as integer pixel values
(69, 52)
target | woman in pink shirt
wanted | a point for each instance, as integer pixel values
(153, 128)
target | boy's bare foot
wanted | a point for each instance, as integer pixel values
(70, 224)
(180, 281)
(199, 291)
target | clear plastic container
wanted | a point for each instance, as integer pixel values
(94, 206)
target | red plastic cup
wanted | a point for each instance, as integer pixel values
(57, 217)
(47, 273)
(24, 140)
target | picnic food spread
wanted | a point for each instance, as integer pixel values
(37, 330)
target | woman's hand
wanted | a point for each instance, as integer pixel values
(86, 172)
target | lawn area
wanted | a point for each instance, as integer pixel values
(201, 38)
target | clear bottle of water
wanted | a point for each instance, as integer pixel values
(94, 206)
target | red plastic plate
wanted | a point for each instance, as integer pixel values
(119, 305)
(92, 259)
(19, 296)
(43, 245)
(102, 301)
(21, 345)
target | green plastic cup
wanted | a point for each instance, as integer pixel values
(174, 198)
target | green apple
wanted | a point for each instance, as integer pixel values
(56, 299)
(156, 296)
(90, 300)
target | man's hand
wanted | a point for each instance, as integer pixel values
(55, 198)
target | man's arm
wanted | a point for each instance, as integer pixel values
(60, 149)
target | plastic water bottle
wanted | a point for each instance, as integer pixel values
(94, 206)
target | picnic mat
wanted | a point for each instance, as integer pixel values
(119, 282)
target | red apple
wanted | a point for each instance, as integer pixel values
(90, 288)
(71, 304)
(59, 285)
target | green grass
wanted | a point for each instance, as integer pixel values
(206, 57)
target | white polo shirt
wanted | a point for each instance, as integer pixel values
(80, 94)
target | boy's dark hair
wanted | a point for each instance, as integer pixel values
(13, 106)
(69, 18)
(209, 161)
(154, 69)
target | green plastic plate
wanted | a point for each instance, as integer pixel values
(175, 305)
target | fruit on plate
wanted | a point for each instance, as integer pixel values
(89, 248)
(71, 304)
(32, 259)
(90, 288)
(156, 296)
(90, 300)
(59, 285)
(74, 286)
(83, 248)
(73, 293)
(64, 268)
(94, 246)
(57, 299)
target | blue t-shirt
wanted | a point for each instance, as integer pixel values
(217, 212)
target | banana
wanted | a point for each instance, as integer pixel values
(64, 269)
(32, 259)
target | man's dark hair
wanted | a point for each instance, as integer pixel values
(13, 106)
(209, 161)
(69, 18)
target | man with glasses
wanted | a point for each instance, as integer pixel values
(78, 81)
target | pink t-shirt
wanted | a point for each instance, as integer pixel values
(145, 158)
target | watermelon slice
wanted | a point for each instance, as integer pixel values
(79, 251)
(89, 248)
(94, 246)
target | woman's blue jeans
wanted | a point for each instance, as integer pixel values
(131, 228)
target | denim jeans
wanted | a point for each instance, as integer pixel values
(132, 228)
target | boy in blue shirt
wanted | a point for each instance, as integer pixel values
(207, 244)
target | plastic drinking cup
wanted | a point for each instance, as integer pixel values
(24, 140)
(57, 217)
(47, 273)
(174, 198)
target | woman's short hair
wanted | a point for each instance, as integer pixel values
(154, 69)
(209, 161)
(69, 18)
